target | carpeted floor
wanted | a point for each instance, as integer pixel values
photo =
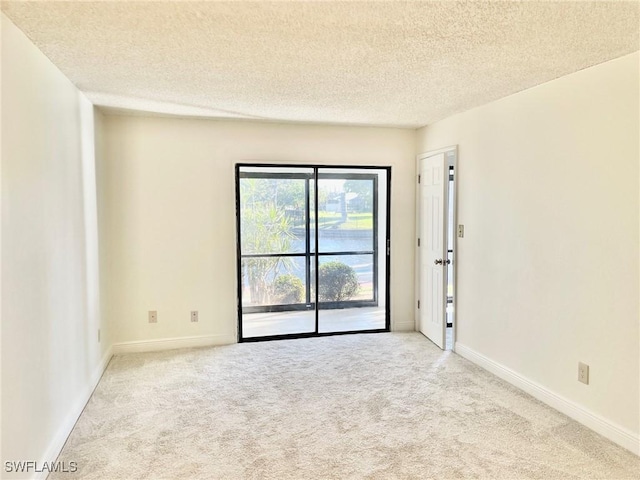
(377, 406)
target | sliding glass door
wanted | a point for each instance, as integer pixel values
(351, 249)
(283, 253)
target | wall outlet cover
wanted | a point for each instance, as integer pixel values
(583, 373)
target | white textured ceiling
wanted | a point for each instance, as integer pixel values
(401, 64)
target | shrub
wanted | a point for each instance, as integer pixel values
(288, 289)
(337, 281)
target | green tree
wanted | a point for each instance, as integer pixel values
(288, 193)
(264, 229)
(288, 288)
(337, 281)
(364, 191)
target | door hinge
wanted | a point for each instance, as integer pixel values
(418, 242)
(388, 247)
(418, 178)
(418, 303)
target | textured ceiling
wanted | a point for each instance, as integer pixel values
(401, 64)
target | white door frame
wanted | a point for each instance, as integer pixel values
(451, 159)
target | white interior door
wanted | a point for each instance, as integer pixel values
(433, 254)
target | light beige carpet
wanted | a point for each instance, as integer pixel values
(378, 406)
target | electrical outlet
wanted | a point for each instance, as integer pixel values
(194, 315)
(583, 373)
(153, 316)
(460, 231)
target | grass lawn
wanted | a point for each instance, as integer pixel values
(355, 221)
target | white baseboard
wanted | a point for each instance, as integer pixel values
(172, 343)
(606, 428)
(60, 438)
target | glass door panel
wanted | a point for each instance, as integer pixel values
(345, 210)
(351, 258)
(275, 263)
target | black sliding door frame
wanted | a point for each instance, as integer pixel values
(312, 258)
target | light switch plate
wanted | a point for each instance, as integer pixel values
(153, 316)
(460, 231)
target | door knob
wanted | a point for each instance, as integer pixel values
(438, 261)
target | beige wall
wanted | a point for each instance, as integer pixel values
(548, 268)
(168, 216)
(51, 358)
(103, 284)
